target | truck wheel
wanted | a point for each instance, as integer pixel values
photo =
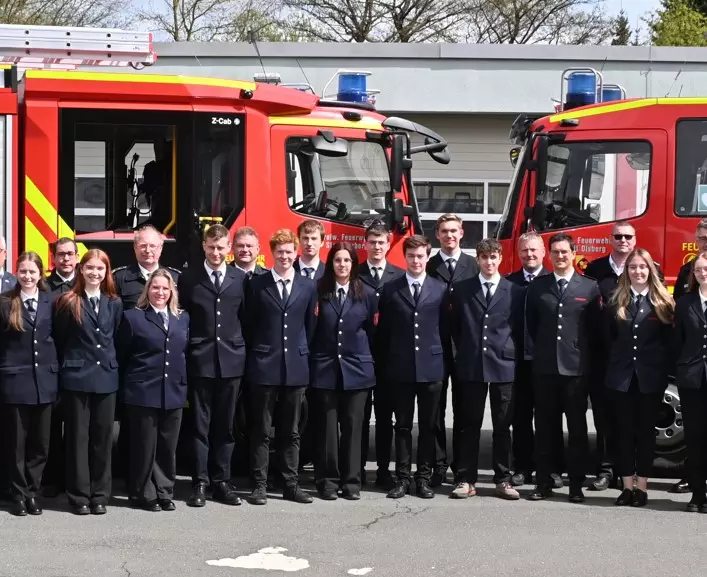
(670, 448)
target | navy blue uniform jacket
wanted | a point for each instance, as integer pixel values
(488, 340)
(690, 336)
(8, 281)
(129, 283)
(29, 369)
(318, 273)
(342, 342)
(153, 364)
(87, 351)
(564, 330)
(409, 336)
(279, 334)
(640, 344)
(216, 344)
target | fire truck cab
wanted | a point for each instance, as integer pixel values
(93, 155)
(602, 158)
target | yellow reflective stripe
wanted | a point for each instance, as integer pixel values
(364, 123)
(35, 241)
(141, 78)
(686, 100)
(605, 109)
(40, 204)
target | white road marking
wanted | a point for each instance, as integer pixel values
(362, 571)
(269, 559)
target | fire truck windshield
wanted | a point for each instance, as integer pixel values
(350, 188)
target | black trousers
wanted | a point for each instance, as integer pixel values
(89, 443)
(523, 430)
(694, 414)
(441, 453)
(471, 402)
(366, 430)
(427, 395)
(606, 437)
(554, 395)
(55, 469)
(288, 400)
(337, 462)
(214, 405)
(634, 418)
(153, 451)
(28, 428)
(383, 407)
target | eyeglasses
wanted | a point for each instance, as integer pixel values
(68, 254)
(623, 236)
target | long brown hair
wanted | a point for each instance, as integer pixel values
(73, 299)
(327, 284)
(658, 295)
(14, 319)
(692, 284)
(172, 304)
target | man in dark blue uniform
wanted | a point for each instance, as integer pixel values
(7, 279)
(412, 328)
(246, 247)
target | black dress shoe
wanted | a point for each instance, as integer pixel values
(423, 489)
(625, 498)
(601, 483)
(259, 496)
(225, 493)
(167, 504)
(98, 509)
(297, 495)
(640, 498)
(519, 479)
(696, 503)
(329, 495)
(351, 494)
(540, 493)
(557, 482)
(438, 477)
(19, 509)
(576, 495)
(401, 489)
(198, 497)
(33, 507)
(81, 510)
(152, 506)
(682, 486)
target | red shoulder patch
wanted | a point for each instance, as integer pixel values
(375, 320)
(316, 310)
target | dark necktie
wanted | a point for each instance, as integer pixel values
(308, 272)
(249, 274)
(529, 278)
(489, 296)
(375, 273)
(451, 262)
(562, 283)
(416, 291)
(165, 320)
(94, 303)
(285, 294)
(29, 303)
(217, 279)
(342, 296)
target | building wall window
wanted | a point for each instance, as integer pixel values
(479, 204)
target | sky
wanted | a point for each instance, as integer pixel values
(635, 9)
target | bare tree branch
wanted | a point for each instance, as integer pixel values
(90, 13)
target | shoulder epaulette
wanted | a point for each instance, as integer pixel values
(171, 268)
(115, 270)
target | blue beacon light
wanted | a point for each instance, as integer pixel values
(352, 87)
(612, 93)
(581, 90)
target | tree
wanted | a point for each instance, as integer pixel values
(99, 13)
(378, 20)
(213, 20)
(539, 21)
(622, 30)
(678, 24)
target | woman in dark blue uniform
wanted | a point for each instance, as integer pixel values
(85, 324)
(152, 343)
(691, 378)
(639, 320)
(28, 379)
(342, 372)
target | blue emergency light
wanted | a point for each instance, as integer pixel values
(352, 87)
(611, 93)
(581, 90)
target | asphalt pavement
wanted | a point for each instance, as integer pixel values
(478, 537)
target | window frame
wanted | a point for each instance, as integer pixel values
(675, 174)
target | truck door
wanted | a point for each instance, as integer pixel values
(595, 178)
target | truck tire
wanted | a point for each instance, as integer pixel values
(670, 447)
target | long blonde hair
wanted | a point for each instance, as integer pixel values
(658, 295)
(172, 304)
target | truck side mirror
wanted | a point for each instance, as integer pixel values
(514, 154)
(540, 166)
(397, 160)
(398, 212)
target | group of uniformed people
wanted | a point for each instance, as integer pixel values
(352, 338)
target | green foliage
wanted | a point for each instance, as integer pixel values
(622, 31)
(678, 23)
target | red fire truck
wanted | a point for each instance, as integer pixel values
(92, 155)
(602, 158)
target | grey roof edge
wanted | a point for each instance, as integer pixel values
(382, 51)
